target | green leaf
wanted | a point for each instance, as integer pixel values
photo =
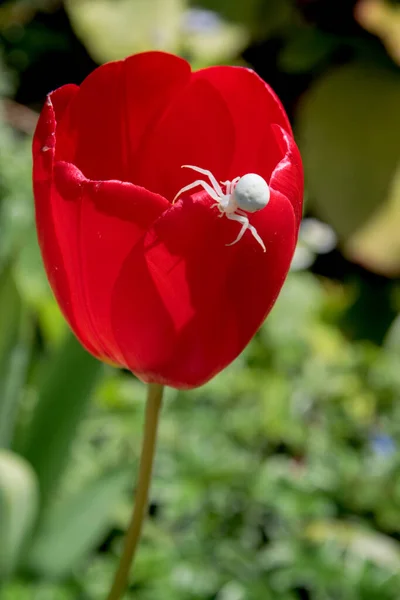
(16, 208)
(14, 351)
(13, 381)
(242, 12)
(392, 339)
(305, 49)
(72, 528)
(18, 507)
(32, 283)
(63, 397)
(349, 134)
(10, 311)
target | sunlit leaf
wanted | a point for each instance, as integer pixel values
(381, 18)
(360, 541)
(18, 506)
(377, 243)
(207, 38)
(113, 30)
(349, 130)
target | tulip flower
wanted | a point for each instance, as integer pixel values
(171, 288)
(164, 270)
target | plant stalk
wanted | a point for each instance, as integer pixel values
(153, 405)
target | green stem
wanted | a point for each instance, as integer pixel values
(154, 399)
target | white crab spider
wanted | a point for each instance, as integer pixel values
(248, 193)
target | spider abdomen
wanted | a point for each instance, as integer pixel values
(251, 193)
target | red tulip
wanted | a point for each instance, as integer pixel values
(144, 283)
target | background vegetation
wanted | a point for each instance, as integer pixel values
(280, 479)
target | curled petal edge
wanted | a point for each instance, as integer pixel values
(287, 177)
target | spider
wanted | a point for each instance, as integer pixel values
(249, 193)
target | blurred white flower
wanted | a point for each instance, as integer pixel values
(302, 259)
(200, 20)
(317, 236)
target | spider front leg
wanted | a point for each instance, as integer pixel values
(208, 174)
(230, 185)
(206, 186)
(245, 225)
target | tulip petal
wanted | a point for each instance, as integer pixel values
(46, 217)
(117, 105)
(200, 302)
(152, 286)
(288, 177)
(112, 217)
(253, 106)
(196, 130)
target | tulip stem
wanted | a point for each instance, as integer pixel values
(154, 399)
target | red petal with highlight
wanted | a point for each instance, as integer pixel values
(253, 107)
(145, 284)
(46, 214)
(114, 112)
(200, 301)
(113, 216)
(288, 178)
(197, 129)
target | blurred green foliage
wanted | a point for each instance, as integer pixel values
(281, 477)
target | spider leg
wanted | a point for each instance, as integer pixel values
(257, 237)
(230, 185)
(203, 184)
(245, 225)
(208, 174)
(239, 211)
(233, 183)
(221, 210)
